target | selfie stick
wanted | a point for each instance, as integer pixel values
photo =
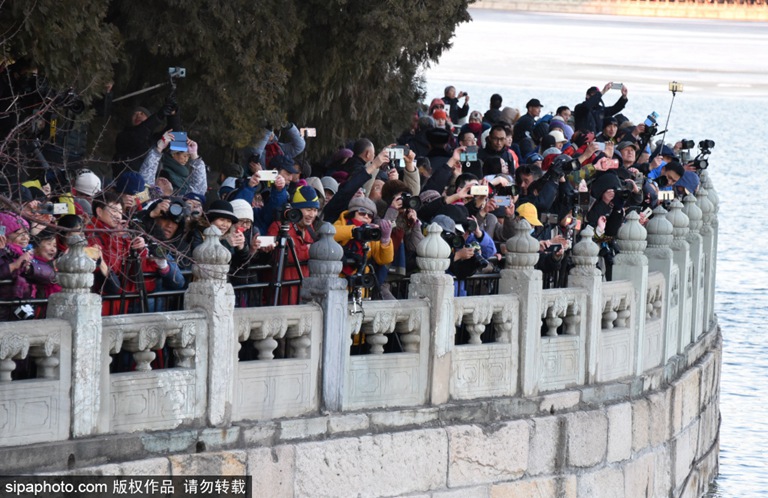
(674, 88)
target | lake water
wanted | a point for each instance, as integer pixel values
(724, 69)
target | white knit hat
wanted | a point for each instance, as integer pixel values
(88, 183)
(242, 209)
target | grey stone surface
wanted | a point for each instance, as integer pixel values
(263, 434)
(604, 483)
(640, 425)
(403, 418)
(658, 404)
(303, 428)
(216, 463)
(273, 471)
(381, 465)
(485, 455)
(619, 432)
(348, 423)
(469, 492)
(640, 477)
(587, 437)
(546, 449)
(559, 401)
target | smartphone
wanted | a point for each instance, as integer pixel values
(179, 142)
(647, 212)
(397, 153)
(600, 146)
(554, 248)
(614, 164)
(266, 240)
(2, 229)
(478, 190)
(308, 132)
(268, 175)
(617, 86)
(60, 208)
(502, 200)
(666, 195)
(469, 155)
(143, 196)
(241, 229)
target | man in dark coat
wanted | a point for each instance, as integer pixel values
(589, 114)
(527, 121)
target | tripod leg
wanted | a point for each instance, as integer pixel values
(278, 280)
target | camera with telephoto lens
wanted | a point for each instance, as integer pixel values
(410, 201)
(685, 150)
(506, 190)
(290, 215)
(366, 233)
(361, 280)
(477, 257)
(561, 166)
(651, 129)
(177, 212)
(24, 312)
(455, 241)
(705, 149)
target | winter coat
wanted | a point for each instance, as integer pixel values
(184, 178)
(588, 116)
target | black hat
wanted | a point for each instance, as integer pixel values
(534, 103)
(221, 209)
(610, 120)
(282, 162)
(438, 136)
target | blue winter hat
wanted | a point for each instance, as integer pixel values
(194, 195)
(130, 183)
(305, 197)
(282, 162)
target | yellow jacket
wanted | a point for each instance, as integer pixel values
(381, 254)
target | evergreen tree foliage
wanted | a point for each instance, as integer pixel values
(347, 67)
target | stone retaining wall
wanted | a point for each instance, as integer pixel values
(619, 439)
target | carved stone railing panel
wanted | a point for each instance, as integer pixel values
(35, 410)
(147, 399)
(269, 388)
(491, 369)
(617, 342)
(562, 361)
(653, 344)
(393, 379)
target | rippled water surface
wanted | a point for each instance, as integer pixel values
(724, 68)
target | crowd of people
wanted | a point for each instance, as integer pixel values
(474, 172)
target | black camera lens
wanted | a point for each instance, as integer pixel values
(292, 215)
(687, 144)
(175, 209)
(411, 201)
(707, 144)
(453, 240)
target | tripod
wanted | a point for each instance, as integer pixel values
(284, 242)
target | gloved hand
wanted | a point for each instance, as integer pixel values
(386, 231)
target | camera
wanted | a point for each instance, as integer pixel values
(687, 144)
(410, 201)
(290, 215)
(469, 155)
(24, 312)
(177, 211)
(155, 250)
(477, 257)
(177, 72)
(701, 161)
(562, 165)
(361, 280)
(53, 208)
(366, 233)
(455, 241)
(506, 190)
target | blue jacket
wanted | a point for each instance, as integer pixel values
(263, 216)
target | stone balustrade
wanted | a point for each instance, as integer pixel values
(524, 342)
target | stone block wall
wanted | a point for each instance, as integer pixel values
(657, 442)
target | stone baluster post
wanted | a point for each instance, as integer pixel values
(82, 309)
(434, 284)
(707, 240)
(211, 293)
(697, 259)
(713, 223)
(325, 287)
(631, 264)
(681, 257)
(519, 277)
(659, 256)
(587, 275)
